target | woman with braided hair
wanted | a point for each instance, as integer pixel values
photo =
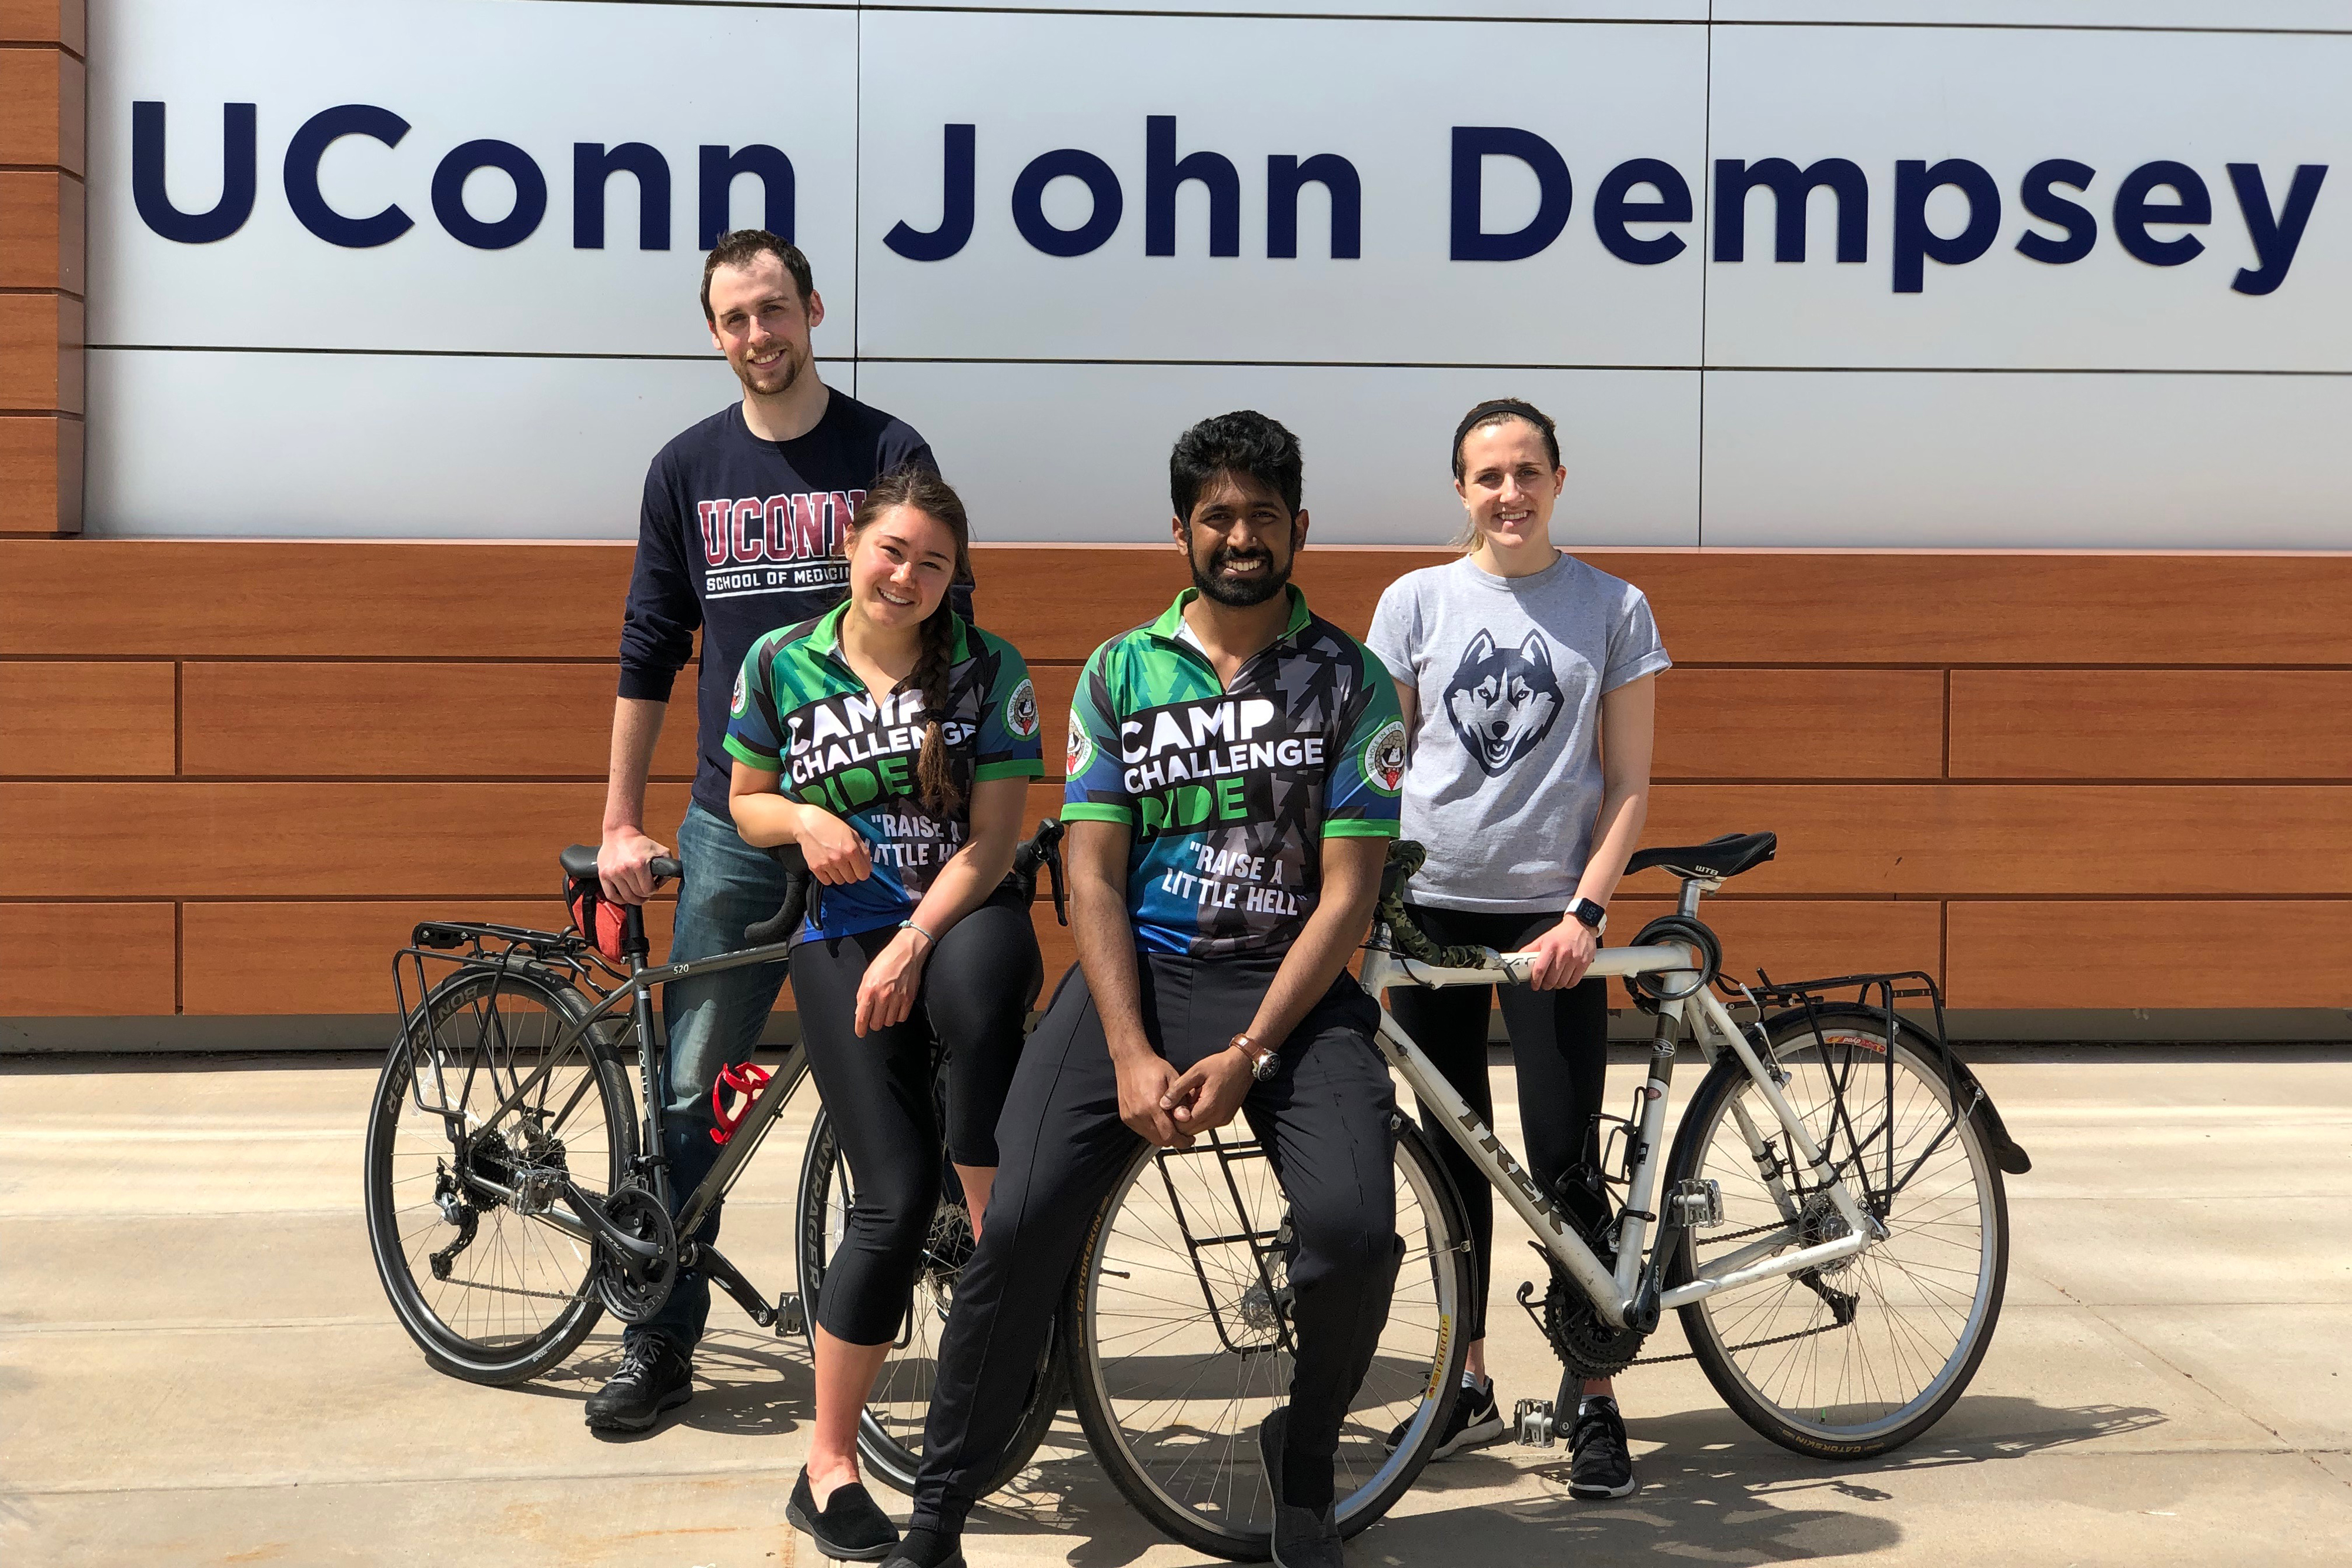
(894, 742)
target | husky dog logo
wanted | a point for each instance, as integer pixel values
(1021, 711)
(1081, 748)
(1502, 704)
(1384, 758)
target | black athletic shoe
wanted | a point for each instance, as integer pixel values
(849, 1526)
(1599, 1466)
(654, 1377)
(1474, 1424)
(1303, 1538)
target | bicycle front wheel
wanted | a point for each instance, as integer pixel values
(1180, 1341)
(491, 1294)
(1859, 1357)
(890, 1430)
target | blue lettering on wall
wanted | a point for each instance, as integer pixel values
(1637, 194)
(449, 194)
(1473, 145)
(719, 168)
(149, 194)
(593, 165)
(1916, 243)
(1029, 202)
(957, 204)
(310, 144)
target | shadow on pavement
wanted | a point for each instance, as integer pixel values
(746, 1385)
(1714, 1491)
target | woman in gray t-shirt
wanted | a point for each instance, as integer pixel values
(1524, 675)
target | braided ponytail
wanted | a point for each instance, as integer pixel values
(923, 490)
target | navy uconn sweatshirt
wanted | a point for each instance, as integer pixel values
(737, 536)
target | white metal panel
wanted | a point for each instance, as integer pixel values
(2202, 13)
(2000, 461)
(2007, 101)
(542, 76)
(1079, 452)
(1384, 95)
(1523, 10)
(384, 447)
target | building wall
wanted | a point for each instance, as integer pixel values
(233, 772)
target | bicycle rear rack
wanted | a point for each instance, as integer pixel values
(564, 958)
(1256, 1321)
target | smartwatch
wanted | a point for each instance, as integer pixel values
(1263, 1060)
(1594, 917)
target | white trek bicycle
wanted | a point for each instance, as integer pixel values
(1828, 1220)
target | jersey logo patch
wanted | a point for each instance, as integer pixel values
(737, 706)
(1021, 711)
(1502, 704)
(1384, 758)
(1080, 754)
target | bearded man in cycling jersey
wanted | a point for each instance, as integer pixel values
(1230, 793)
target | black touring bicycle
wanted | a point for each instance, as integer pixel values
(1827, 1219)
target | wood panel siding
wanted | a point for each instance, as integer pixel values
(40, 230)
(40, 351)
(41, 97)
(105, 720)
(40, 474)
(416, 720)
(86, 960)
(61, 22)
(253, 757)
(2201, 953)
(2152, 723)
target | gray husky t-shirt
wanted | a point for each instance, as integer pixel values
(1504, 780)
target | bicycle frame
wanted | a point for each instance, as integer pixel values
(1624, 1298)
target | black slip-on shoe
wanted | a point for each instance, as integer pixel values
(654, 1377)
(1476, 1423)
(850, 1526)
(925, 1549)
(1599, 1465)
(1303, 1537)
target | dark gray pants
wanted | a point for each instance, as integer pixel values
(1324, 1120)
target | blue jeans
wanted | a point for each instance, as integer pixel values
(711, 1021)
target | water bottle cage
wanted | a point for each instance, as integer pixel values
(746, 1079)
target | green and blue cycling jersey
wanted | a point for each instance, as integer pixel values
(1231, 790)
(800, 711)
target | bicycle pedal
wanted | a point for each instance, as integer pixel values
(1533, 1420)
(791, 1317)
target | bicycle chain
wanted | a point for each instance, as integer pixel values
(579, 1296)
(1751, 1344)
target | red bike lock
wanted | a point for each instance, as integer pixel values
(746, 1079)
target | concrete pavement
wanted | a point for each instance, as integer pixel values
(198, 1364)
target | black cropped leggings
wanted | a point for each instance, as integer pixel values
(976, 989)
(1560, 1043)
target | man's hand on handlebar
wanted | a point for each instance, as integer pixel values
(623, 864)
(1562, 955)
(835, 851)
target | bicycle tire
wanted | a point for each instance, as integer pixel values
(1209, 1492)
(889, 1429)
(1945, 1263)
(519, 1295)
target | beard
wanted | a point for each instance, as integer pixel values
(789, 367)
(1240, 593)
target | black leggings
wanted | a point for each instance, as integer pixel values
(1324, 1120)
(976, 989)
(1559, 1042)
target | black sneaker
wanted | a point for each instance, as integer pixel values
(654, 1377)
(1599, 1466)
(1303, 1538)
(850, 1527)
(1475, 1423)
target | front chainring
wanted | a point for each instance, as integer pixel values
(1585, 1345)
(631, 1291)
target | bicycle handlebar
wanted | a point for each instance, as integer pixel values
(803, 895)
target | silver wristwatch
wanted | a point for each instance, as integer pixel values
(1263, 1059)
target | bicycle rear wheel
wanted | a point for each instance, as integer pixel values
(1178, 1349)
(1860, 1357)
(890, 1431)
(489, 1295)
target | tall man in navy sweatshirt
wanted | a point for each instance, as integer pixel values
(737, 536)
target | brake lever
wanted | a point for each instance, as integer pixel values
(1053, 873)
